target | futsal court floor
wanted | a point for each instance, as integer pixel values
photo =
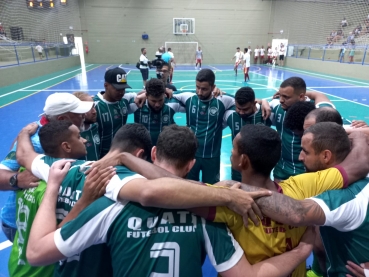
(22, 103)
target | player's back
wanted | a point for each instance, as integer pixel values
(261, 242)
(147, 241)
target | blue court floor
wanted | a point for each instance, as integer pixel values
(24, 103)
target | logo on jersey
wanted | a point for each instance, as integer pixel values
(203, 110)
(165, 118)
(116, 114)
(96, 139)
(124, 110)
(213, 110)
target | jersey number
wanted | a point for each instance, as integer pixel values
(193, 109)
(237, 126)
(105, 116)
(145, 119)
(279, 118)
(170, 250)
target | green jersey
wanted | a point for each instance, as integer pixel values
(289, 164)
(93, 142)
(110, 117)
(94, 261)
(28, 202)
(345, 231)
(205, 118)
(235, 123)
(147, 241)
(155, 121)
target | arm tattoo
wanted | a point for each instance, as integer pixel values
(290, 211)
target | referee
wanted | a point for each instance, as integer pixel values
(144, 66)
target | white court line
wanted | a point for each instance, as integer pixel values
(109, 67)
(14, 91)
(322, 75)
(309, 88)
(215, 68)
(62, 90)
(5, 244)
(353, 86)
(338, 100)
(340, 97)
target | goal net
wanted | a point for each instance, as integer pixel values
(27, 24)
(184, 52)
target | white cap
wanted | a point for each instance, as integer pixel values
(63, 102)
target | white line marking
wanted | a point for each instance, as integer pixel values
(62, 90)
(338, 100)
(309, 88)
(215, 68)
(120, 66)
(327, 76)
(353, 86)
(14, 91)
(5, 244)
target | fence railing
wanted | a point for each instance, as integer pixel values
(342, 54)
(21, 53)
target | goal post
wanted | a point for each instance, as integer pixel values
(184, 51)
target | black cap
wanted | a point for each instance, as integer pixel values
(117, 77)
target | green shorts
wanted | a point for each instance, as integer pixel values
(210, 170)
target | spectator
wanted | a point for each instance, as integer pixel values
(350, 38)
(358, 30)
(338, 36)
(331, 37)
(344, 22)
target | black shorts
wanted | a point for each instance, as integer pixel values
(144, 73)
(281, 57)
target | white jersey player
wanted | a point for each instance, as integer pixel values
(239, 57)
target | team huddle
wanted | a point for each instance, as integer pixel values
(95, 196)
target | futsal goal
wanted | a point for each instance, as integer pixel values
(184, 51)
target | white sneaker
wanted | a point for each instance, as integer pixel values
(200, 68)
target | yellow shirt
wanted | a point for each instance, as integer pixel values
(271, 238)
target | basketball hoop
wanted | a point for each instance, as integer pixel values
(184, 32)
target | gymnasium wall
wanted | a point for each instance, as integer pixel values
(356, 71)
(39, 24)
(115, 27)
(310, 22)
